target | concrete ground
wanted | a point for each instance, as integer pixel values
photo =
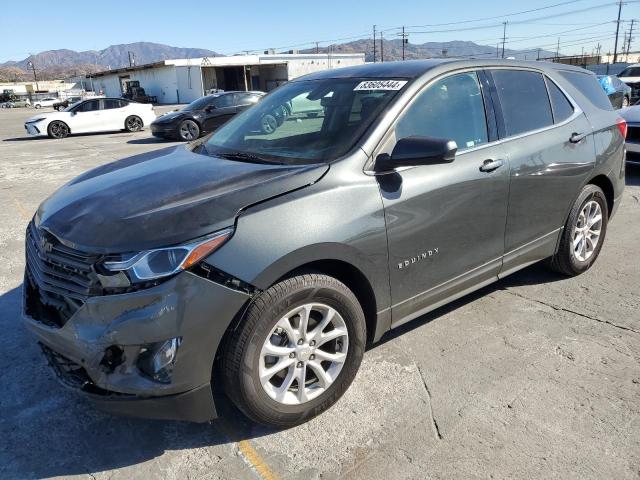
(537, 376)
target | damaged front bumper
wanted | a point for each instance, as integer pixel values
(97, 350)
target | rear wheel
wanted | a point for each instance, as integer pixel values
(188, 130)
(57, 129)
(583, 233)
(133, 123)
(37, 105)
(296, 352)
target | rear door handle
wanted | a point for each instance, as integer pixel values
(577, 137)
(491, 165)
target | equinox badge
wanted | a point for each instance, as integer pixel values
(417, 258)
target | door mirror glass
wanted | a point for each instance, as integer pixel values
(413, 151)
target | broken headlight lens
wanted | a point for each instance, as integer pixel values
(163, 262)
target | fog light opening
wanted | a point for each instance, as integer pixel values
(113, 358)
(157, 360)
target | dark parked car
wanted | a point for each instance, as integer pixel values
(261, 264)
(203, 115)
(619, 93)
(61, 105)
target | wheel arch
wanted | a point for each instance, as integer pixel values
(352, 277)
(606, 185)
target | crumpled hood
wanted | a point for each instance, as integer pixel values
(162, 198)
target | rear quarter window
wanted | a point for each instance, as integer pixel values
(590, 88)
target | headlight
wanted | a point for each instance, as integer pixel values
(163, 262)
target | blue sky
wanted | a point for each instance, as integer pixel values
(231, 27)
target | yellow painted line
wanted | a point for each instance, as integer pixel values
(21, 210)
(254, 458)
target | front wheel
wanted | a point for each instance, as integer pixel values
(133, 123)
(296, 351)
(57, 129)
(625, 101)
(188, 130)
(37, 105)
(583, 233)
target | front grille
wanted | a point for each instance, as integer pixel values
(633, 133)
(60, 279)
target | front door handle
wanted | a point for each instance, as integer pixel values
(491, 165)
(577, 137)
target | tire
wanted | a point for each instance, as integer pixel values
(625, 101)
(37, 105)
(576, 252)
(268, 123)
(133, 123)
(58, 129)
(270, 317)
(188, 130)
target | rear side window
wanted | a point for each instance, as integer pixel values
(110, 103)
(523, 99)
(450, 108)
(589, 86)
(562, 108)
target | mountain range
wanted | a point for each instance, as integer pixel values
(55, 64)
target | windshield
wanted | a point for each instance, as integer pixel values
(630, 72)
(199, 104)
(306, 121)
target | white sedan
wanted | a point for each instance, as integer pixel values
(44, 102)
(93, 115)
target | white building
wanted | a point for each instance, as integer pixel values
(185, 80)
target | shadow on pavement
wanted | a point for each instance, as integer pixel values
(533, 275)
(148, 141)
(48, 431)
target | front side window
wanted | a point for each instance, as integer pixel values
(200, 104)
(306, 121)
(523, 99)
(450, 108)
(89, 106)
(223, 101)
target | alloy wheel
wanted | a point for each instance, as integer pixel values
(268, 124)
(587, 231)
(58, 130)
(303, 354)
(134, 124)
(188, 130)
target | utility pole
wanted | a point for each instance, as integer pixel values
(374, 44)
(504, 36)
(558, 49)
(629, 38)
(381, 48)
(538, 54)
(497, 50)
(317, 48)
(35, 78)
(132, 59)
(615, 47)
(405, 40)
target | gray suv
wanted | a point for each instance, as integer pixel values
(260, 264)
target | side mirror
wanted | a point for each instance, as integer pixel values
(413, 151)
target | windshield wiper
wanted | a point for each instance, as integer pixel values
(245, 157)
